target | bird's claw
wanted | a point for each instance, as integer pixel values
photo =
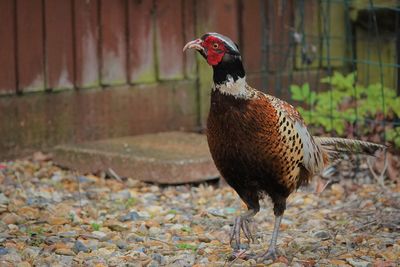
(270, 254)
(241, 223)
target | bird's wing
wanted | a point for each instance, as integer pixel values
(314, 158)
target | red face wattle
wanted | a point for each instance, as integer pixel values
(214, 49)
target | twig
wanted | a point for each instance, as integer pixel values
(365, 225)
(114, 175)
(20, 183)
(159, 240)
(79, 190)
(235, 259)
(380, 177)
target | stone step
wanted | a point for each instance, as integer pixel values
(164, 158)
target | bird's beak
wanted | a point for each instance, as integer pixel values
(196, 44)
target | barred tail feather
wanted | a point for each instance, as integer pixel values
(335, 146)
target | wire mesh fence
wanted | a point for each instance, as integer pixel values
(343, 65)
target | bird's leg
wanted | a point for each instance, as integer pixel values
(271, 252)
(242, 222)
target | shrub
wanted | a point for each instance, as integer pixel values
(373, 108)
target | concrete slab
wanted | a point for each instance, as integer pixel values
(165, 158)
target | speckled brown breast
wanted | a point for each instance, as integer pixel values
(254, 147)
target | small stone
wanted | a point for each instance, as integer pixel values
(154, 231)
(154, 209)
(252, 262)
(57, 177)
(3, 208)
(24, 264)
(74, 217)
(84, 179)
(30, 253)
(80, 246)
(93, 244)
(159, 258)
(153, 263)
(3, 251)
(134, 238)
(105, 251)
(358, 263)
(69, 234)
(121, 244)
(37, 201)
(3, 227)
(55, 220)
(131, 216)
(204, 239)
(176, 238)
(176, 227)
(52, 240)
(29, 213)
(13, 227)
(151, 223)
(144, 214)
(12, 218)
(121, 195)
(65, 252)
(278, 264)
(116, 226)
(324, 235)
(3, 199)
(100, 235)
(183, 260)
(169, 216)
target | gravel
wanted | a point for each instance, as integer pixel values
(49, 219)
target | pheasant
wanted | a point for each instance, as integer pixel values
(259, 143)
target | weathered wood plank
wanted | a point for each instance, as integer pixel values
(281, 24)
(30, 45)
(59, 45)
(252, 33)
(8, 77)
(308, 49)
(169, 29)
(86, 30)
(142, 67)
(113, 42)
(189, 9)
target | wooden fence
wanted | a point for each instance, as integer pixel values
(65, 44)
(128, 51)
(75, 70)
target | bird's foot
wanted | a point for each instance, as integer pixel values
(270, 254)
(241, 223)
(241, 254)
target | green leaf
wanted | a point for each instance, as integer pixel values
(187, 246)
(347, 103)
(95, 226)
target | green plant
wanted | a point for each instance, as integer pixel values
(348, 104)
(130, 202)
(95, 226)
(186, 246)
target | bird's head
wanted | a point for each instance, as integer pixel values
(215, 48)
(222, 54)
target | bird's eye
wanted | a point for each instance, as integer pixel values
(215, 45)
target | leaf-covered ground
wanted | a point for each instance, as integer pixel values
(55, 217)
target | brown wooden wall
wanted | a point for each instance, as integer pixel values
(65, 44)
(74, 70)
